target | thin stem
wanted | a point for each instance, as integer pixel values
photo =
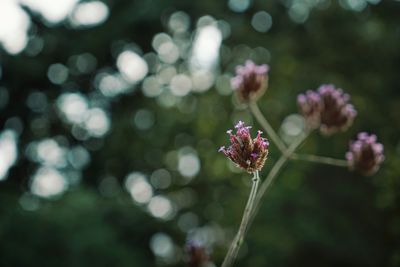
(238, 240)
(320, 159)
(274, 172)
(268, 182)
(267, 127)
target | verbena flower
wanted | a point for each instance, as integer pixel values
(327, 108)
(251, 81)
(365, 154)
(247, 153)
(310, 106)
(198, 255)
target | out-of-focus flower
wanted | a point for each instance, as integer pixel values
(365, 154)
(310, 106)
(251, 81)
(247, 153)
(198, 255)
(337, 113)
(327, 108)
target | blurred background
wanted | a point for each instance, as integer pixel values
(111, 114)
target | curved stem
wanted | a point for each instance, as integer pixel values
(267, 183)
(274, 172)
(267, 127)
(238, 240)
(320, 159)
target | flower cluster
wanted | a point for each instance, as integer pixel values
(247, 153)
(198, 255)
(327, 108)
(365, 154)
(250, 81)
(310, 107)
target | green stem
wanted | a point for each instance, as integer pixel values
(320, 159)
(267, 127)
(274, 172)
(238, 240)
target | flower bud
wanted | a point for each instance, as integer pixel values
(198, 255)
(337, 114)
(327, 108)
(365, 154)
(310, 106)
(247, 153)
(251, 81)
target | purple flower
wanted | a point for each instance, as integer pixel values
(327, 108)
(310, 106)
(365, 154)
(247, 153)
(250, 81)
(198, 255)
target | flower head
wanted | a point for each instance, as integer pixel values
(250, 81)
(365, 154)
(247, 153)
(327, 108)
(310, 106)
(198, 255)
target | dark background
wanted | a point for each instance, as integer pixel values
(314, 215)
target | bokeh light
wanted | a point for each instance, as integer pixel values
(137, 185)
(189, 164)
(57, 73)
(261, 21)
(14, 24)
(48, 182)
(205, 53)
(162, 246)
(132, 67)
(52, 11)
(89, 14)
(8, 152)
(239, 5)
(161, 207)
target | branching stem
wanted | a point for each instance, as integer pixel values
(274, 172)
(320, 159)
(254, 201)
(267, 127)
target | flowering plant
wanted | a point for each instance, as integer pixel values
(327, 109)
